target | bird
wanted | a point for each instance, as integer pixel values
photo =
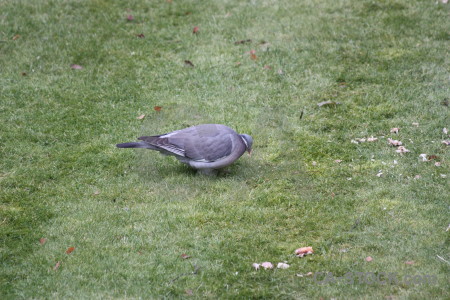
(205, 147)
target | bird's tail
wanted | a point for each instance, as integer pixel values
(135, 145)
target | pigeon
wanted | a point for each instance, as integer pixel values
(205, 147)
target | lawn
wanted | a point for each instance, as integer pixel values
(82, 219)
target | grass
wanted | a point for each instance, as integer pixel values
(131, 214)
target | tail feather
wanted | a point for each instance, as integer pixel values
(135, 145)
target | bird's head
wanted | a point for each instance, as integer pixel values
(248, 141)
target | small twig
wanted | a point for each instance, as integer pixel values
(441, 258)
(301, 115)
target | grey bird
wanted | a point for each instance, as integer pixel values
(205, 147)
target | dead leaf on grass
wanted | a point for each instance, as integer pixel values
(328, 103)
(395, 130)
(410, 262)
(140, 35)
(157, 108)
(253, 55)
(256, 266)
(195, 30)
(185, 256)
(42, 241)
(189, 292)
(56, 267)
(445, 130)
(76, 67)
(437, 164)
(372, 139)
(402, 150)
(188, 63)
(141, 117)
(394, 143)
(267, 265)
(446, 142)
(130, 18)
(423, 156)
(369, 258)
(282, 265)
(300, 252)
(17, 36)
(70, 250)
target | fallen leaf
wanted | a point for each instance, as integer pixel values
(394, 143)
(267, 265)
(401, 149)
(368, 258)
(445, 130)
(42, 241)
(446, 142)
(417, 177)
(410, 262)
(448, 228)
(189, 292)
(256, 266)
(328, 103)
(437, 164)
(188, 63)
(253, 55)
(333, 195)
(280, 72)
(97, 192)
(300, 252)
(415, 124)
(282, 266)
(17, 36)
(23, 74)
(431, 157)
(314, 163)
(380, 174)
(395, 130)
(140, 35)
(56, 267)
(70, 250)
(185, 256)
(141, 117)
(76, 67)
(423, 156)
(243, 42)
(372, 139)
(157, 108)
(195, 30)
(130, 18)
(338, 161)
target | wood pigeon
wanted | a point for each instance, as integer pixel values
(205, 147)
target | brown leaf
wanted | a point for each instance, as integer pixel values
(369, 259)
(188, 63)
(140, 35)
(56, 267)
(141, 117)
(70, 250)
(23, 74)
(157, 108)
(253, 55)
(185, 256)
(243, 42)
(300, 252)
(17, 36)
(76, 67)
(195, 30)
(328, 103)
(410, 262)
(42, 241)
(431, 157)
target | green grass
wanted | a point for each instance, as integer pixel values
(131, 214)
